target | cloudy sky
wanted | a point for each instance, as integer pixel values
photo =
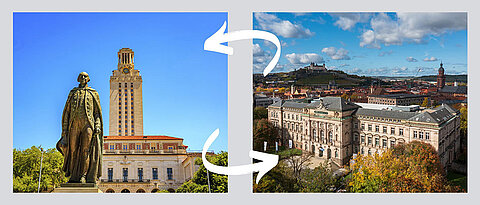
(371, 44)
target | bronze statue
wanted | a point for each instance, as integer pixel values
(81, 142)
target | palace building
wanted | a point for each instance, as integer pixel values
(335, 129)
(133, 162)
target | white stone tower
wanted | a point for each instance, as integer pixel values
(126, 104)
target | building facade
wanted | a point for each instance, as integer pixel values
(126, 106)
(145, 164)
(334, 129)
(133, 162)
(398, 99)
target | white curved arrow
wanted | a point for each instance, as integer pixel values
(268, 161)
(213, 43)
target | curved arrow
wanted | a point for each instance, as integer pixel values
(268, 161)
(213, 43)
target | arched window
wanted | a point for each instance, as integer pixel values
(330, 136)
(140, 191)
(125, 191)
(155, 190)
(322, 136)
(110, 191)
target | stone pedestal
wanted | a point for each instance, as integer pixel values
(77, 188)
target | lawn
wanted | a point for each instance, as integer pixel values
(458, 179)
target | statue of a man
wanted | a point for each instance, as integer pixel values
(82, 134)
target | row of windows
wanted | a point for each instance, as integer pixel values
(120, 85)
(120, 103)
(140, 174)
(420, 134)
(377, 141)
(384, 129)
(378, 119)
(152, 146)
(288, 116)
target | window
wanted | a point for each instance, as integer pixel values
(125, 99)
(415, 135)
(369, 152)
(355, 137)
(169, 174)
(369, 127)
(336, 154)
(370, 140)
(125, 174)
(154, 173)
(362, 139)
(355, 125)
(377, 128)
(330, 136)
(110, 174)
(385, 129)
(400, 131)
(140, 174)
(119, 103)
(392, 130)
(392, 144)
(420, 135)
(112, 146)
(427, 135)
(384, 143)
(119, 94)
(139, 146)
(119, 126)
(322, 136)
(120, 85)
(377, 141)
(124, 146)
(361, 151)
(363, 126)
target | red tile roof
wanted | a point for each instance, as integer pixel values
(155, 137)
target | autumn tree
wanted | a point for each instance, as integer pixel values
(425, 102)
(412, 167)
(320, 179)
(199, 181)
(26, 169)
(264, 131)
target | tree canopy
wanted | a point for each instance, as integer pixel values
(412, 167)
(26, 169)
(199, 183)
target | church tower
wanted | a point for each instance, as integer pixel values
(126, 104)
(441, 77)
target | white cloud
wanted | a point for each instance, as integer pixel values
(281, 27)
(347, 21)
(384, 53)
(411, 59)
(427, 59)
(410, 27)
(305, 58)
(336, 54)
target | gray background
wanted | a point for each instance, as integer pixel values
(239, 99)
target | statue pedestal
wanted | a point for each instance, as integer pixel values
(77, 188)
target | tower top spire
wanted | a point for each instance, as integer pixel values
(125, 58)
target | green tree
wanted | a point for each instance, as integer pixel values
(260, 113)
(26, 169)
(264, 131)
(320, 179)
(412, 167)
(199, 183)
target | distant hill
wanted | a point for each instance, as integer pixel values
(317, 78)
(448, 78)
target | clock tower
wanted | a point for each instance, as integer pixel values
(126, 104)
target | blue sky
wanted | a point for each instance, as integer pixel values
(371, 44)
(184, 87)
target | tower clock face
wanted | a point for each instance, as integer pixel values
(126, 70)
